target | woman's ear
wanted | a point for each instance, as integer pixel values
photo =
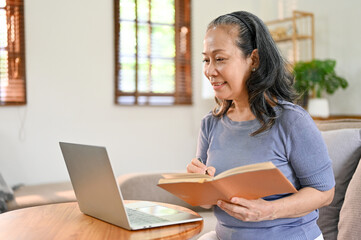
(255, 58)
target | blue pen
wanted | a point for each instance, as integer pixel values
(199, 159)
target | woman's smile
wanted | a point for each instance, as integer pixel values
(218, 85)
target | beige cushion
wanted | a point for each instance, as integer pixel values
(35, 195)
(326, 125)
(143, 186)
(349, 227)
(344, 147)
(209, 223)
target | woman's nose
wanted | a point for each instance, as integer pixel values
(210, 70)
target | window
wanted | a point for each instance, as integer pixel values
(152, 52)
(12, 53)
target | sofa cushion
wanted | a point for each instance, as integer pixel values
(40, 194)
(326, 125)
(129, 182)
(6, 194)
(350, 214)
(209, 223)
(344, 147)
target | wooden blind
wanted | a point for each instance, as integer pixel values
(152, 52)
(12, 53)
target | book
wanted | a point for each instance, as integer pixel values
(251, 182)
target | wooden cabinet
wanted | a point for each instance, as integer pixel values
(295, 36)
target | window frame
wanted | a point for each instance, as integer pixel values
(183, 80)
(16, 88)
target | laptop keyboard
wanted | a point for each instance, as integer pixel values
(141, 218)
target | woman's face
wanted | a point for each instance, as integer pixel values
(225, 65)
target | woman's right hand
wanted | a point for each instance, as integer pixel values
(196, 166)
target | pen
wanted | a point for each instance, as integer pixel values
(199, 159)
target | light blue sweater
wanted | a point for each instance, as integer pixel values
(293, 144)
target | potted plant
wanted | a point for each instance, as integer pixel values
(313, 80)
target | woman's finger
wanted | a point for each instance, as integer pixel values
(211, 171)
(198, 163)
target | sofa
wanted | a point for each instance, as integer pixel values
(340, 220)
(39, 194)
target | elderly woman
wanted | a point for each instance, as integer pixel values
(255, 121)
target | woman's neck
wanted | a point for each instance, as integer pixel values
(240, 111)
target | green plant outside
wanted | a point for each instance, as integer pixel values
(316, 77)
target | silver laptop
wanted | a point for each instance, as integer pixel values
(99, 196)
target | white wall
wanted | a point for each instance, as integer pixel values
(70, 88)
(70, 98)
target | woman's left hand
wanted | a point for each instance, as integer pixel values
(249, 210)
(299, 204)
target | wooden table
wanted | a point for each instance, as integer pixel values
(65, 221)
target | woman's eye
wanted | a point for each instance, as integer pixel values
(205, 60)
(220, 59)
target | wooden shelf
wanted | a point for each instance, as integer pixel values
(289, 30)
(290, 38)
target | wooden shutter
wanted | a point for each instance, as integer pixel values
(12, 53)
(183, 94)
